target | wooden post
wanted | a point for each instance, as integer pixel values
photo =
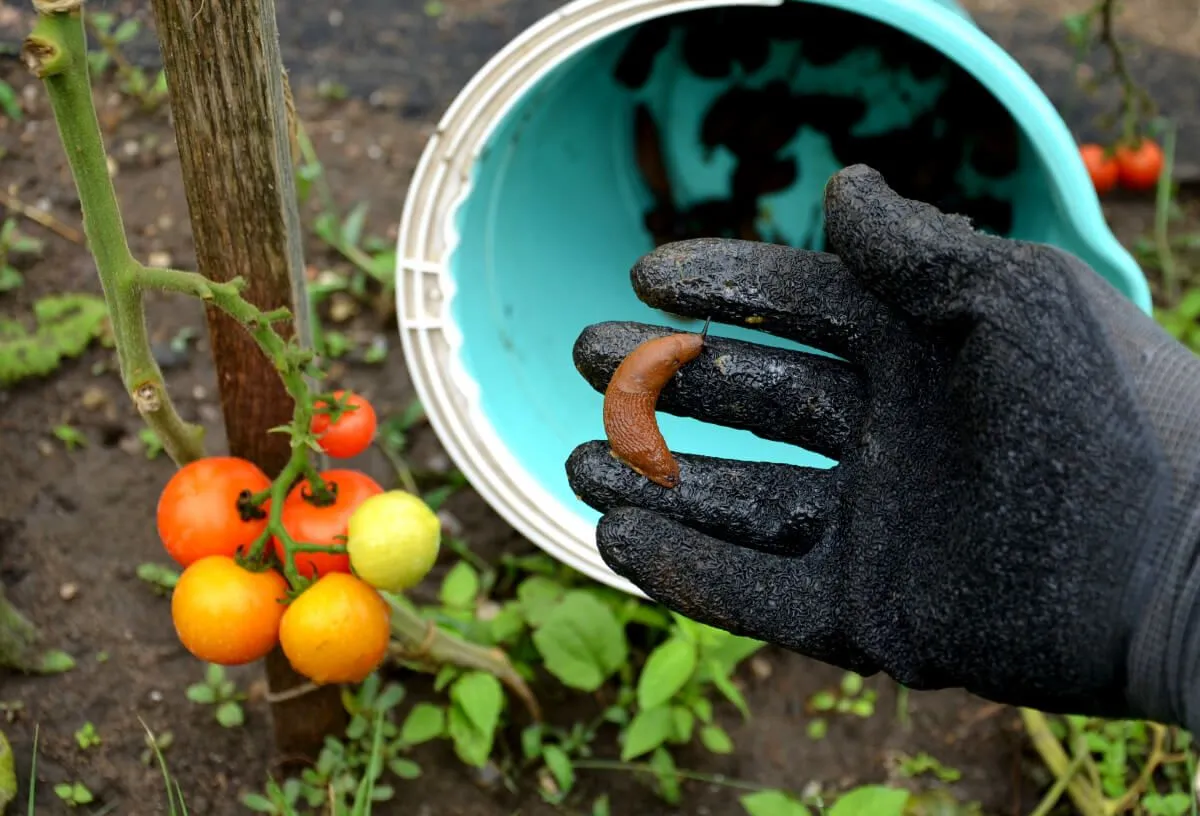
(227, 99)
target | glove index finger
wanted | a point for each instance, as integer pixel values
(908, 253)
(807, 297)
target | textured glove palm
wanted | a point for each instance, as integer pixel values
(1015, 507)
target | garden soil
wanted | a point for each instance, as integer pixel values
(75, 525)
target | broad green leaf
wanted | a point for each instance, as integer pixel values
(405, 768)
(772, 803)
(560, 766)
(460, 587)
(716, 740)
(685, 723)
(871, 800)
(667, 775)
(649, 729)
(581, 642)
(480, 697)
(537, 596)
(230, 714)
(201, 694)
(471, 746)
(728, 689)
(666, 671)
(425, 722)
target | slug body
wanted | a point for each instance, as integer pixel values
(631, 400)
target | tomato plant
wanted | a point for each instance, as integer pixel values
(199, 512)
(351, 432)
(1101, 166)
(393, 540)
(309, 518)
(225, 613)
(337, 630)
(1139, 165)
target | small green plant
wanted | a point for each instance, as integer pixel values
(218, 691)
(73, 794)
(151, 444)
(71, 437)
(850, 698)
(87, 736)
(10, 103)
(65, 325)
(162, 579)
(15, 244)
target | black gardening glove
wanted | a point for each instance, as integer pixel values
(1015, 507)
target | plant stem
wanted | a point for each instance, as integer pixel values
(642, 767)
(1086, 800)
(1162, 220)
(419, 640)
(56, 51)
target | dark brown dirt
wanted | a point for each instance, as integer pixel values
(83, 521)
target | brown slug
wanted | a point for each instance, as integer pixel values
(632, 396)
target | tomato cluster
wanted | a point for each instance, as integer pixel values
(232, 603)
(1134, 167)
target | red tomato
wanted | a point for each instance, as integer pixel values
(353, 431)
(308, 523)
(1100, 166)
(198, 509)
(1139, 166)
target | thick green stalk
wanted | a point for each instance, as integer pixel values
(56, 52)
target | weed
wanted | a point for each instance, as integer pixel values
(133, 81)
(87, 736)
(73, 794)
(10, 103)
(162, 579)
(71, 437)
(65, 326)
(221, 693)
(15, 244)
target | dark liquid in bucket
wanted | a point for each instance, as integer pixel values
(756, 121)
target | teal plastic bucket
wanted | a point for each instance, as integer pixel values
(529, 205)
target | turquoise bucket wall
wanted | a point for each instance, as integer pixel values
(552, 220)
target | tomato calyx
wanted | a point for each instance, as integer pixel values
(250, 505)
(323, 496)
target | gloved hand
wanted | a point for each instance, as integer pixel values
(1015, 507)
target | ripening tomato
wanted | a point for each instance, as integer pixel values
(227, 614)
(198, 510)
(309, 523)
(1101, 166)
(337, 630)
(353, 431)
(393, 540)
(1140, 165)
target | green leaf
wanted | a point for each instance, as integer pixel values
(425, 722)
(560, 767)
(649, 729)
(666, 671)
(230, 714)
(817, 729)
(685, 723)
(667, 776)
(460, 587)
(852, 684)
(871, 800)
(581, 641)
(352, 227)
(10, 278)
(66, 326)
(126, 31)
(480, 696)
(823, 701)
(55, 661)
(201, 694)
(508, 624)
(258, 803)
(405, 768)
(714, 738)
(728, 689)
(531, 741)
(537, 596)
(772, 803)
(471, 746)
(10, 104)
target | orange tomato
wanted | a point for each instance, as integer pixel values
(1140, 165)
(1100, 166)
(353, 431)
(337, 630)
(226, 614)
(198, 510)
(309, 523)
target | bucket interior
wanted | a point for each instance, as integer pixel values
(717, 122)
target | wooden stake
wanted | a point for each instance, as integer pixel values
(225, 79)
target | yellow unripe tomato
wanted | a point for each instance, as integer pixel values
(393, 540)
